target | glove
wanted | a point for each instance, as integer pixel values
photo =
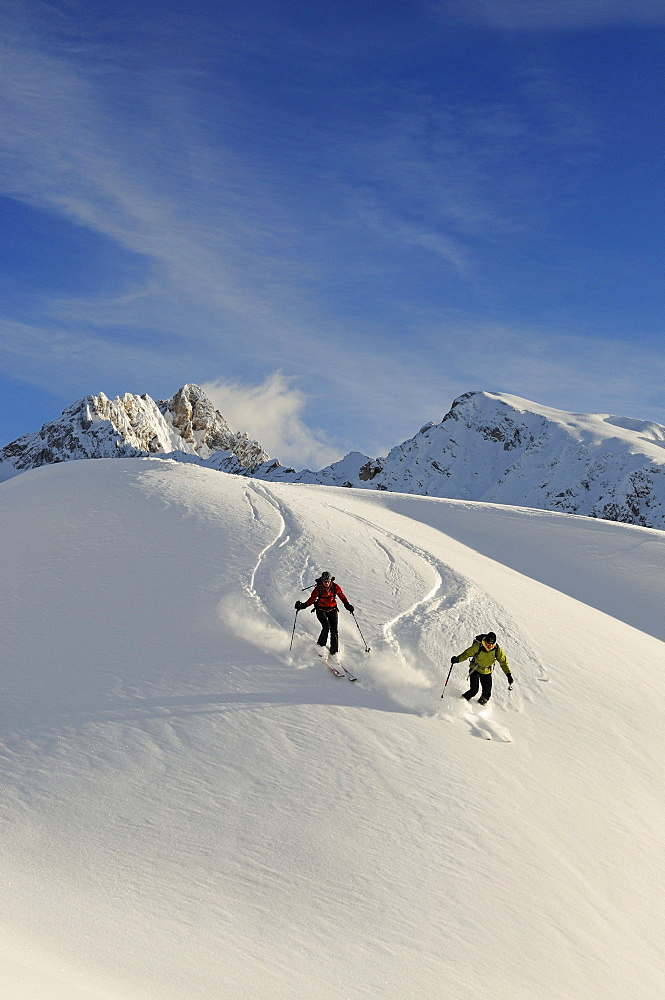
(350, 608)
(299, 605)
(453, 659)
(510, 681)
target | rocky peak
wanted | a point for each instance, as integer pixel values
(129, 426)
(195, 419)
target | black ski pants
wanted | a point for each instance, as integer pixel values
(476, 681)
(328, 621)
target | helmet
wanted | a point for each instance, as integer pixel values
(326, 577)
(490, 637)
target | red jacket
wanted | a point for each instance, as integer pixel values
(326, 597)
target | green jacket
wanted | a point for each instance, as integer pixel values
(483, 659)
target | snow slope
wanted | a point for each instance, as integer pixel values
(189, 810)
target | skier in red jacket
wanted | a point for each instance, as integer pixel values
(324, 598)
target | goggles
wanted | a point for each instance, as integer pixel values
(490, 645)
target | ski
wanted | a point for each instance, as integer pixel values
(340, 666)
(331, 667)
(337, 668)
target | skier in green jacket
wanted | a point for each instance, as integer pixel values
(484, 652)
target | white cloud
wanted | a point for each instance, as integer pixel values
(273, 414)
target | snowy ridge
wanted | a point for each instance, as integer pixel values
(490, 447)
(190, 810)
(498, 448)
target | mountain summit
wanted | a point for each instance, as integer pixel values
(499, 448)
(187, 427)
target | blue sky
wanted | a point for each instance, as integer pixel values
(335, 216)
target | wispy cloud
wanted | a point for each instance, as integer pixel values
(275, 237)
(456, 175)
(66, 361)
(553, 15)
(578, 373)
(273, 414)
(235, 246)
(213, 242)
(233, 268)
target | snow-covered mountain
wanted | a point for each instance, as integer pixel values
(187, 427)
(192, 810)
(498, 448)
(490, 447)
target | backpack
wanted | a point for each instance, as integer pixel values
(319, 589)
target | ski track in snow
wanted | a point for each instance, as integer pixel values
(425, 611)
(245, 612)
(278, 540)
(448, 607)
(275, 570)
(445, 617)
(278, 574)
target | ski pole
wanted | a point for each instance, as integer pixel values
(447, 679)
(294, 630)
(367, 649)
